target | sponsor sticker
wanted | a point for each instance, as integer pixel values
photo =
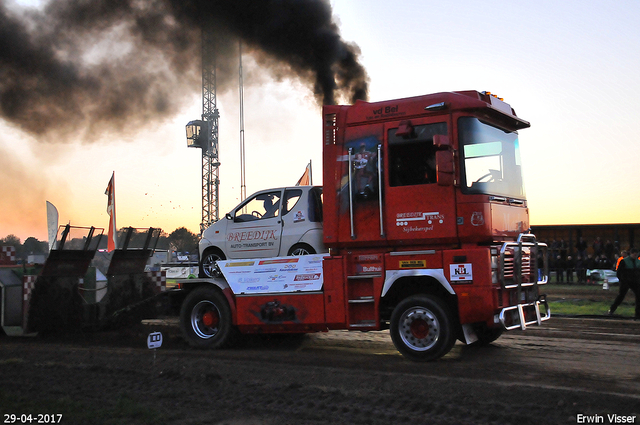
(308, 276)
(461, 272)
(265, 270)
(240, 264)
(258, 288)
(413, 264)
(298, 217)
(249, 280)
(403, 219)
(364, 269)
(274, 275)
(477, 218)
(368, 257)
(279, 261)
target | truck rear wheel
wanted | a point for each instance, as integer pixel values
(205, 319)
(422, 328)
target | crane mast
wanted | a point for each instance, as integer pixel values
(203, 133)
(210, 114)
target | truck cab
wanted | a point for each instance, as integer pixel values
(442, 170)
(269, 223)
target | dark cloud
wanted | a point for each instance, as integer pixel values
(96, 65)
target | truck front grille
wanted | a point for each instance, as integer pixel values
(518, 263)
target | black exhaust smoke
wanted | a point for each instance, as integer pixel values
(118, 64)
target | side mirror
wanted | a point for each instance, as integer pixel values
(405, 129)
(441, 142)
(228, 216)
(444, 168)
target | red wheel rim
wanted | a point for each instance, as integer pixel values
(210, 319)
(419, 328)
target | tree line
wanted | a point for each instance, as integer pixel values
(180, 240)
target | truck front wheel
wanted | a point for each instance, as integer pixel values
(422, 328)
(205, 319)
(487, 335)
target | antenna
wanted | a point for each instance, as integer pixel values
(243, 187)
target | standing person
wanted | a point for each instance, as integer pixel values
(590, 264)
(597, 247)
(581, 247)
(629, 275)
(560, 264)
(581, 270)
(555, 249)
(624, 254)
(608, 250)
(563, 249)
(570, 265)
(603, 262)
(540, 265)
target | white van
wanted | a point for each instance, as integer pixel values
(269, 223)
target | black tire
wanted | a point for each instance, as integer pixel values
(208, 263)
(422, 328)
(205, 319)
(301, 249)
(487, 335)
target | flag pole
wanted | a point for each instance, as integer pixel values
(112, 234)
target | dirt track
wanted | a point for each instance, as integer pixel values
(554, 374)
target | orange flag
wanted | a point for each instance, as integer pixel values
(111, 210)
(305, 180)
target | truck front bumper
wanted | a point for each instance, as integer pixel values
(523, 315)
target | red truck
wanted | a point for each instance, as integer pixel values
(426, 222)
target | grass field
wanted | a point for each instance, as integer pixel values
(586, 300)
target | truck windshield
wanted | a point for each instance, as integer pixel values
(491, 159)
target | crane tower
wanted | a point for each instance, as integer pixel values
(203, 133)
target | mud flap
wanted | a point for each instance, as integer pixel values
(470, 335)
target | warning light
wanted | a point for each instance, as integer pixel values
(488, 93)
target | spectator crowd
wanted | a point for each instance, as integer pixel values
(570, 264)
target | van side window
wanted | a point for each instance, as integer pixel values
(315, 205)
(291, 198)
(264, 205)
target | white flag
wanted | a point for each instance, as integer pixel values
(52, 224)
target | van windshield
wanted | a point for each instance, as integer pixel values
(490, 159)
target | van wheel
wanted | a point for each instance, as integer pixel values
(301, 249)
(205, 319)
(209, 263)
(422, 328)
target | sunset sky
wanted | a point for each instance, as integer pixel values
(570, 68)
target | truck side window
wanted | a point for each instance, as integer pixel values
(412, 158)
